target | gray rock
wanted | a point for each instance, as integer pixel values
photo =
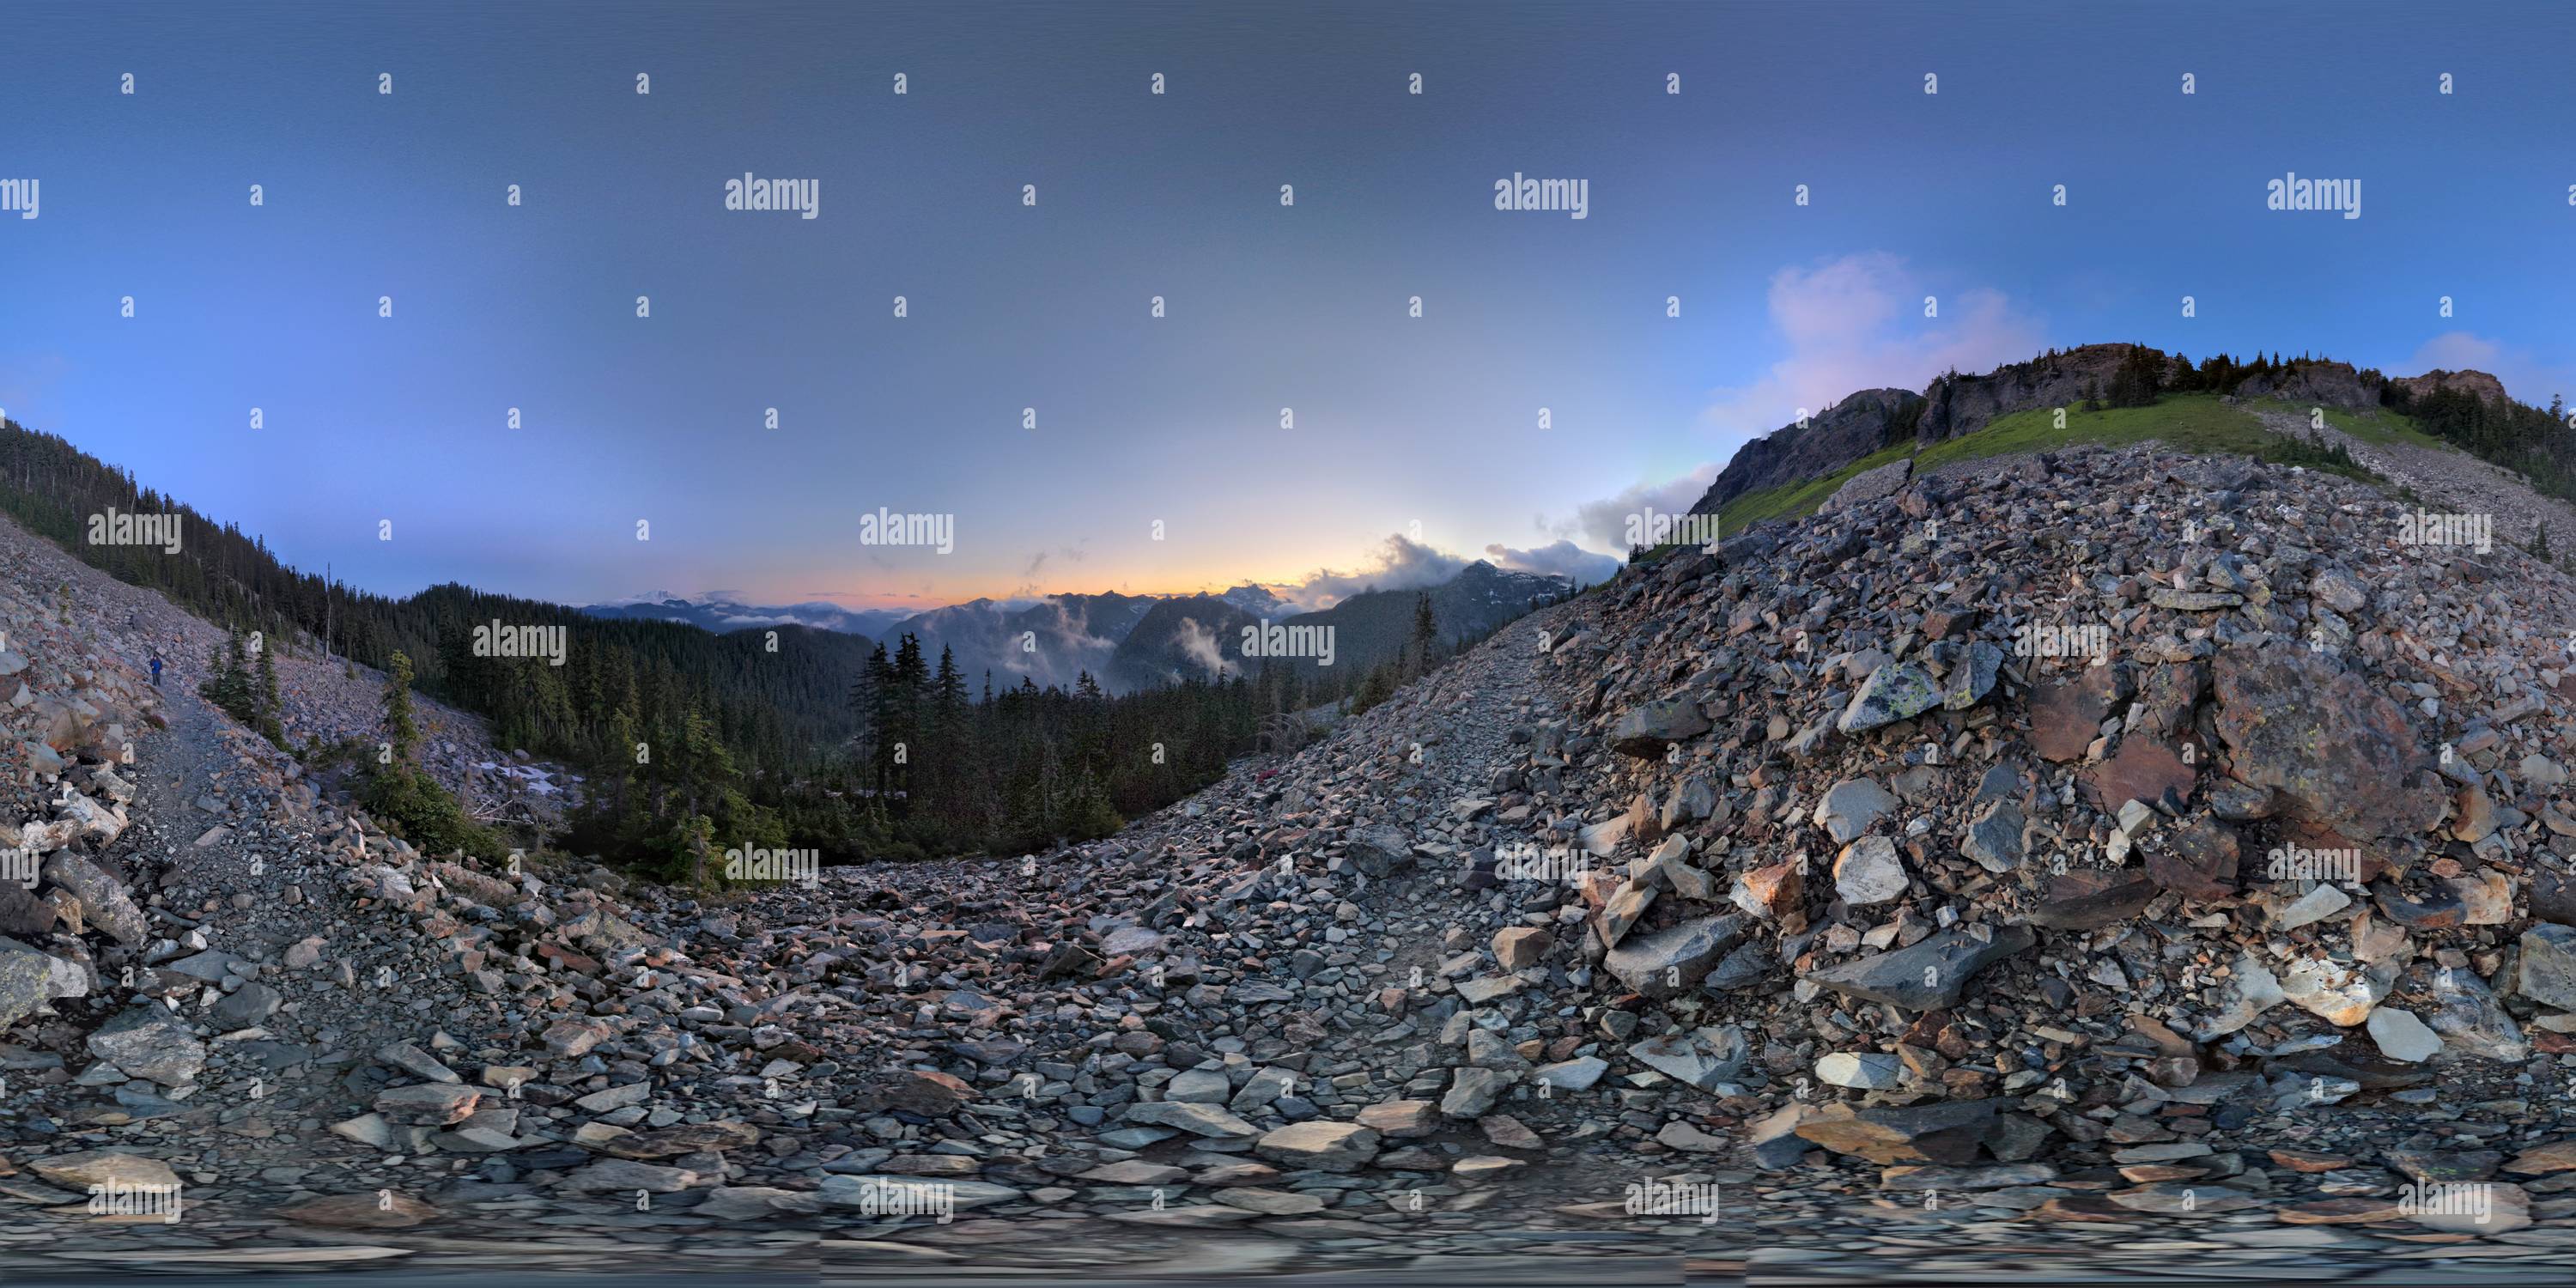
(1701, 1058)
(1994, 840)
(2471, 1019)
(102, 900)
(1973, 677)
(1928, 976)
(1322, 1146)
(1893, 692)
(1646, 731)
(1381, 851)
(2403, 1037)
(1267, 1085)
(1866, 1070)
(2549, 966)
(211, 966)
(147, 1041)
(416, 1062)
(1850, 806)
(1199, 1086)
(1578, 1074)
(1473, 1091)
(1674, 959)
(1198, 1120)
(2314, 906)
(1870, 873)
(27, 980)
(247, 1005)
(2250, 990)
(625, 1175)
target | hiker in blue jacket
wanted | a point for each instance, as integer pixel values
(156, 670)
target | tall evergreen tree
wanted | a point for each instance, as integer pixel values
(271, 716)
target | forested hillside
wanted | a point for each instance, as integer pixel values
(693, 742)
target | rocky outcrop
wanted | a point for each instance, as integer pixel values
(1857, 425)
(2478, 384)
(2312, 382)
(1963, 404)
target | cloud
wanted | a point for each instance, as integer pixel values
(1563, 559)
(1200, 644)
(1605, 522)
(1845, 325)
(1397, 564)
(2527, 377)
(1857, 323)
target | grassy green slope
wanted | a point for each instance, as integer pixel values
(2197, 423)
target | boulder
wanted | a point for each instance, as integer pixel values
(1895, 691)
(1850, 806)
(1869, 873)
(2090, 898)
(2324, 741)
(2067, 715)
(1646, 731)
(1319, 1145)
(1928, 976)
(1946, 1131)
(1671, 960)
(1378, 852)
(103, 903)
(2549, 966)
(147, 1041)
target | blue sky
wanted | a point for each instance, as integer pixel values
(1424, 428)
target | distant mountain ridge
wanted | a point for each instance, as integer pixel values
(718, 616)
(1130, 642)
(1198, 636)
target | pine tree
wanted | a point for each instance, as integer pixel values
(1425, 637)
(229, 685)
(402, 731)
(272, 725)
